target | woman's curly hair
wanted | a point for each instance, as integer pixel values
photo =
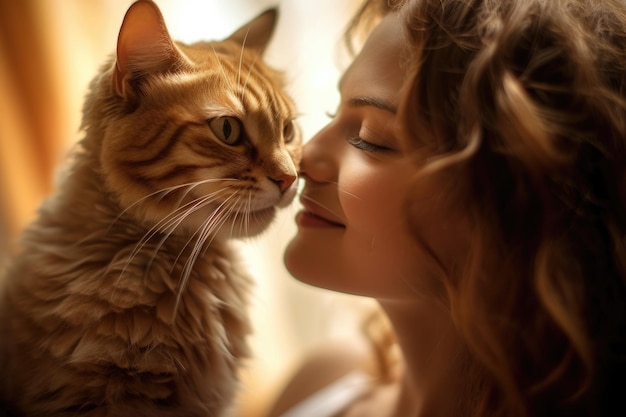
(522, 105)
(365, 19)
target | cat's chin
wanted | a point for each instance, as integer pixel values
(288, 197)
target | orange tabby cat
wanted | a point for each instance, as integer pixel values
(127, 299)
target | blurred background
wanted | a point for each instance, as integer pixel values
(50, 50)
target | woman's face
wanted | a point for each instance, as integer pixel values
(352, 234)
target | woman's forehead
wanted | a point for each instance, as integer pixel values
(377, 70)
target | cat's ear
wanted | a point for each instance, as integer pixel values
(144, 45)
(256, 34)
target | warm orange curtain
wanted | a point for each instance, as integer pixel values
(30, 115)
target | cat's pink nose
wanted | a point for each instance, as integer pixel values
(284, 181)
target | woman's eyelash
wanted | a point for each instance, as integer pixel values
(364, 145)
(331, 115)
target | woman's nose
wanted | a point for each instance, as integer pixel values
(319, 157)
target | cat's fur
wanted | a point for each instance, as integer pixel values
(127, 298)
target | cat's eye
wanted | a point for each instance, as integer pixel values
(289, 131)
(227, 129)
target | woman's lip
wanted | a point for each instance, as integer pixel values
(312, 215)
(307, 219)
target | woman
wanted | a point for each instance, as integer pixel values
(472, 182)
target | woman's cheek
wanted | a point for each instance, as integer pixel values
(372, 199)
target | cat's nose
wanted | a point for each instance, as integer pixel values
(284, 181)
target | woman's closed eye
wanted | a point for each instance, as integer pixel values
(364, 145)
(358, 141)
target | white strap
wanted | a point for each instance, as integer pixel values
(332, 399)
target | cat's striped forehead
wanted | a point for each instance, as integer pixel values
(228, 81)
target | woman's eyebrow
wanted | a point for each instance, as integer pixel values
(373, 101)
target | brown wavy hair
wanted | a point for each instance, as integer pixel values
(522, 105)
(365, 19)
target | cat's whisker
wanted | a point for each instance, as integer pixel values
(237, 213)
(341, 190)
(201, 236)
(348, 193)
(176, 220)
(242, 216)
(302, 182)
(168, 190)
(245, 84)
(225, 214)
(167, 226)
(198, 183)
(219, 61)
(306, 197)
(169, 223)
(163, 192)
(232, 212)
(193, 205)
(198, 204)
(244, 224)
(235, 219)
(243, 46)
(248, 212)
